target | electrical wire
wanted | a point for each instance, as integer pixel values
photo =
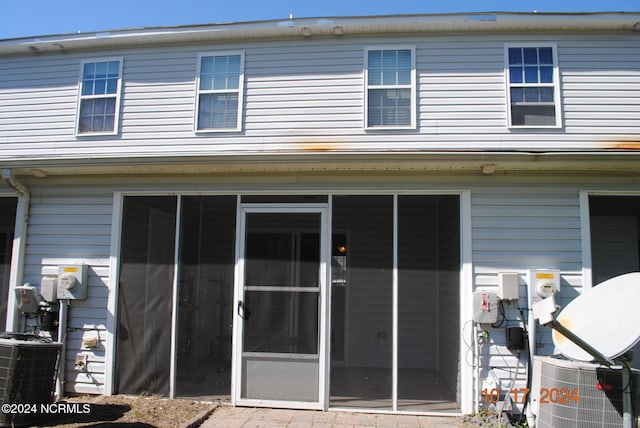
(530, 363)
(503, 316)
(469, 346)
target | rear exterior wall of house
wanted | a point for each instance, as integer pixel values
(516, 224)
(306, 98)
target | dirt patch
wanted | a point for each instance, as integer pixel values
(121, 410)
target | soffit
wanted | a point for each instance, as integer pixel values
(434, 163)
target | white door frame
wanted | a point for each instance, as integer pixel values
(236, 369)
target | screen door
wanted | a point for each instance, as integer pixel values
(280, 306)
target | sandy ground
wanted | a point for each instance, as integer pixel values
(103, 411)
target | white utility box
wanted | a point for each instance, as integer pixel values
(72, 282)
(542, 283)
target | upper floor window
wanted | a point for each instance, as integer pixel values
(390, 88)
(99, 103)
(220, 83)
(533, 92)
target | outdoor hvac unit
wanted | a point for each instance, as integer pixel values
(28, 368)
(577, 394)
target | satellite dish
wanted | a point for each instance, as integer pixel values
(607, 317)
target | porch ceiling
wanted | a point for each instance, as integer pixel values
(333, 163)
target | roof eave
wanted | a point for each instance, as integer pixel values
(337, 26)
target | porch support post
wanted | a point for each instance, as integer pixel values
(174, 306)
(394, 369)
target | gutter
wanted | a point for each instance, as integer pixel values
(304, 28)
(16, 273)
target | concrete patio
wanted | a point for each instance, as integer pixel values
(236, 417)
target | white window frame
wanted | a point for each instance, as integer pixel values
(411, 87)
(555, 84)
(239, 91)
(117, 96)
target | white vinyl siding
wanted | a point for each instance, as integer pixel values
(540, 226)
(219, 86)
(73, 225)
(390, 87)
(517, 224)
(99, 97)
(308, 95)
(533, 92)
(516, 229)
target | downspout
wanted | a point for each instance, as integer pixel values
(19, 242)
(9, 179)
(17, 272)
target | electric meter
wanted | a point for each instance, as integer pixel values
(72, 282)
(543, 283)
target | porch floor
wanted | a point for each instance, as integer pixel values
(354, 388)
(419, 390)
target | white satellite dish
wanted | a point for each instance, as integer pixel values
(607, 317)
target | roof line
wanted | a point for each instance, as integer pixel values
(331, 26)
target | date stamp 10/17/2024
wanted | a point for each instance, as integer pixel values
(547, 395)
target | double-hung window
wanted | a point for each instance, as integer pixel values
(533, 92)
(219, 99)
(390, 88)
(99, 98)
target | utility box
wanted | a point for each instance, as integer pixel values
(485, 307)
(72, 282)
(508, 286)
(27, 299)
(49, 289)
(542, 283)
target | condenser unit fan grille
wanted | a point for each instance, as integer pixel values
(569, 395)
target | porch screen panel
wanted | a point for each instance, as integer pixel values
(7, 223)
(205, 295)
(143, 348)
(428, 304)
(280, 265)
(363, 229)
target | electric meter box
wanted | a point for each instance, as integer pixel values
(542, 283)
(49, 289)
(72, 282)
